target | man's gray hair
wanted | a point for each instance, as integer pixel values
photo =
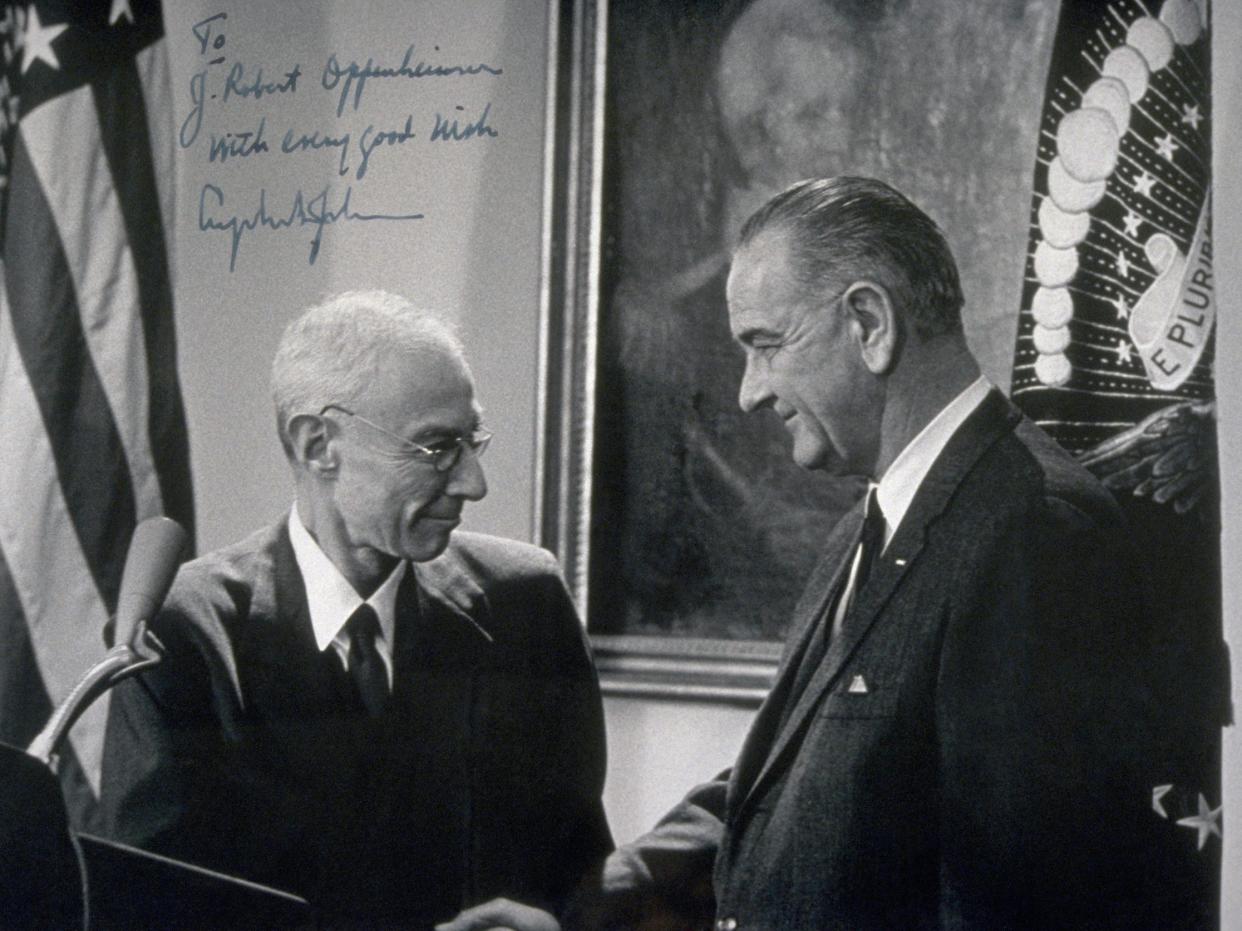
(846, 228)
(330, 353)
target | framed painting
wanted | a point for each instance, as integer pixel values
(685, 529)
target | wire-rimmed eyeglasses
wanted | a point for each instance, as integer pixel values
(442, 454)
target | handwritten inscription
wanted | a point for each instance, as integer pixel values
(239, 115)
(354, 76)
(239, 145)
(452, 130)
(239, 84)
(303, 211)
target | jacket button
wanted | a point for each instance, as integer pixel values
(727, 924)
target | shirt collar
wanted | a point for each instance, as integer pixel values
(330, 598)
(902, 479)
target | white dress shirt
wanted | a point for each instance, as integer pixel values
(901, 481)
(331, 599)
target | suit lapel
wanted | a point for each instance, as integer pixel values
(442, 631)
(452, 603)
(994, 417)
(827, 577)
(292, 679)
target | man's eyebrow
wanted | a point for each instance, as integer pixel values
(748, 335)
(443, 430)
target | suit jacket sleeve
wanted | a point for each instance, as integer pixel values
(662, 880)
(543, 762)
(576, 834)
(164, 752)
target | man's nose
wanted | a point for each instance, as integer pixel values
(466, 479)
(753, 391)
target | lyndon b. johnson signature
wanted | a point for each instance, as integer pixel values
(303, 211)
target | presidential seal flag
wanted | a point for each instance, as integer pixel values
(92, 429)
(1115, 349)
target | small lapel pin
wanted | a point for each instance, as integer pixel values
(858, 686)
(900, 562)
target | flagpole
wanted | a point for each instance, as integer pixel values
(1227, 214)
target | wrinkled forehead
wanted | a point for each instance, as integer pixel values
(413, 385)
(760, 279)
(765, 298)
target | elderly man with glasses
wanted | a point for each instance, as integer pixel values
(358, 704)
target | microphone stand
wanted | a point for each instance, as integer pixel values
(140, 652)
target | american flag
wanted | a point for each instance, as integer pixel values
(92, 428)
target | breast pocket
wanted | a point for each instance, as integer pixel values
(858, 694)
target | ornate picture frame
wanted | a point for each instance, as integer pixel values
(569, 451)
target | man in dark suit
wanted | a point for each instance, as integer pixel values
(358, 704)
(965, 729)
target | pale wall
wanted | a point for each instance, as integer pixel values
(476, 258)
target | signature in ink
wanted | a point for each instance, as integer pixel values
(355, 76)
(303, 211)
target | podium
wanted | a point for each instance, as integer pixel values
(52, 877)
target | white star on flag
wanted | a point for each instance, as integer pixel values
(1123, 350)
(1123, 309)
(1132, 222)
(120, 8)
(1143, 184)
(1166, 146)
(1123, 265)
(1205, 822)
(38, 41)
(1157, 799)
(1192, 117)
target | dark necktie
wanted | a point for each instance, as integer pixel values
(870, 542)
(366, 666)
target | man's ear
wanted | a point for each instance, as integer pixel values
(873, 320)
(310, 444)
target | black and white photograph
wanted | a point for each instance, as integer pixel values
(620, 465)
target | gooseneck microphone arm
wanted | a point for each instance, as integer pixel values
(154, 554)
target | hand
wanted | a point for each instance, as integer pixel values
(502, 915)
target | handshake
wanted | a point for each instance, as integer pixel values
(502, 915)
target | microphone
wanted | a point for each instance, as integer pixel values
(154, 555)
(150, 565)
